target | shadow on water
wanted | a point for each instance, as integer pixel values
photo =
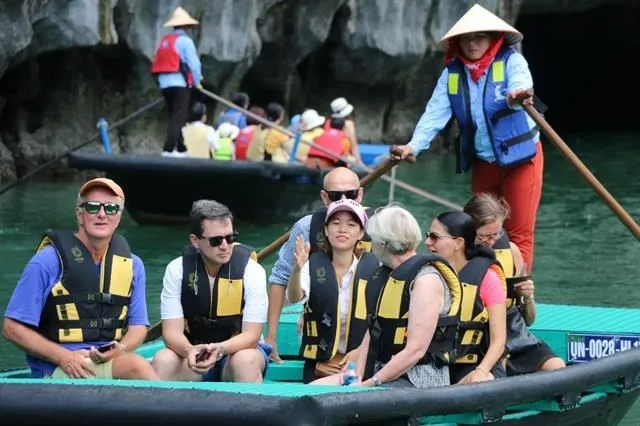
(584, 254)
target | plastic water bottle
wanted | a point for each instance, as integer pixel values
(350, 376)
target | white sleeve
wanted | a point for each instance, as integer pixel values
(256, 302)
(170, 298)
(212, 137)
(305, 283)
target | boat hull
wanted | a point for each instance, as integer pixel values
(161, 190)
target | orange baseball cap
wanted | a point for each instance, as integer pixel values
(104, 183)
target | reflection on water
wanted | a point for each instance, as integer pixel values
(584, 255)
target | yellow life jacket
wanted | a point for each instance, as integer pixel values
(195, 139)
(213, 314)
(473, 338)
(392, 311)
(504, 255)
(87, 305)
(316, 231)
(321, 332)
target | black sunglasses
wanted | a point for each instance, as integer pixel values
(435, 237)
(218, 239)
(351, 194)
(93, 207)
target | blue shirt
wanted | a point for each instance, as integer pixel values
(438, 111)
(188, 54)
(39, 276)
(282, 268)
(232, 116)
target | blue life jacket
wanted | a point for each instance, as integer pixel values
(512, 140)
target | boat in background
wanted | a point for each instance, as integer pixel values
(160, 190)
(598, 388)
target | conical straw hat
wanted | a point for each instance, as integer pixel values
(180, 18)
(479, 19)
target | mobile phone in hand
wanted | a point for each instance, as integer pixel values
(106, 348)
(202, 355)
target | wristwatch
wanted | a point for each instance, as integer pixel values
(376, 381)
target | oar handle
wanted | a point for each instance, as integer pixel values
(613, 204)
(275, 245)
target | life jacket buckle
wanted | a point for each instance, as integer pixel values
(106, 298)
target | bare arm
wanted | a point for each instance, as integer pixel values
(350, 130)
(518, 261)
(427, 298)
(134, 337)
(294, 289)
(497, 336)
(33, 342)
(174, 338)
(276, 302)
(528, 308)
(248, 338)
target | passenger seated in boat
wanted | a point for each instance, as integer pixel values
(213, 305)
(199, 138)
(311, 127)
(79, 309)
(331, 283)
(232, 115)
(335, 141)
(269, 144)
(246, 134)
(414, 304)
(224, 148)
(527, 354)
(483, 331)
(342, 109)
(339, 183)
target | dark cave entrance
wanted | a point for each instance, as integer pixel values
(583, 66)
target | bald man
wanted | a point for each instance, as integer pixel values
(339, 183)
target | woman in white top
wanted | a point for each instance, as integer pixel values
(331, 283)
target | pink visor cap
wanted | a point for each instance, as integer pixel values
(347, 205)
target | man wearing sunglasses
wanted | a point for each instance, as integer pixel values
(339, 183)
(213, 305)
(79, 308)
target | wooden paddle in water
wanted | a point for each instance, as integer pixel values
(562, 146)
(155, 331)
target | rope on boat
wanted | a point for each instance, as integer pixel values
(393, 180)
(83, 143)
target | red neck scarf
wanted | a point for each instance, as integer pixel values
(478, 67)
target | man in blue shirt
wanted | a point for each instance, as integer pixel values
(79, 308)
(232, 115)
(177, 68)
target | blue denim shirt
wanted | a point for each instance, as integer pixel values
(438, 111)
(187, 51)
(282, 268)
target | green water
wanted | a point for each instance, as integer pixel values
(584, 255)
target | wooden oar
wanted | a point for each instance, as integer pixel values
(583, 170)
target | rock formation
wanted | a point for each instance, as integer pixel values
(66, 63)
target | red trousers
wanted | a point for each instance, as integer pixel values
(521, 188)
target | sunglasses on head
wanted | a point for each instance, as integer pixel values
(351, 194)
(93, 207)
(218, 239)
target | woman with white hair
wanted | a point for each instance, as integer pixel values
(411, 340)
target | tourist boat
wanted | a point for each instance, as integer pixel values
(598, 388)
(160, 190)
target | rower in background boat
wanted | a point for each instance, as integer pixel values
(527, 353)
(232, 115)
(224, 149)
(483, 330)
(338, 184)
(79, 309)
(246, 134)
(199, 138)
(332, 284)
(178, 70)
(213, 305)
(340, 108)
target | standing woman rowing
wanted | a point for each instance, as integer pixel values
(480, 87)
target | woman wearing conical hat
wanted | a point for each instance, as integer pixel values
(484, 78)
(177, 68)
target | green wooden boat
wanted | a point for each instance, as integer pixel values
(598, 387)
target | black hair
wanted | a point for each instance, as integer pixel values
(241, 99)
(461, 225)
(197, 111)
